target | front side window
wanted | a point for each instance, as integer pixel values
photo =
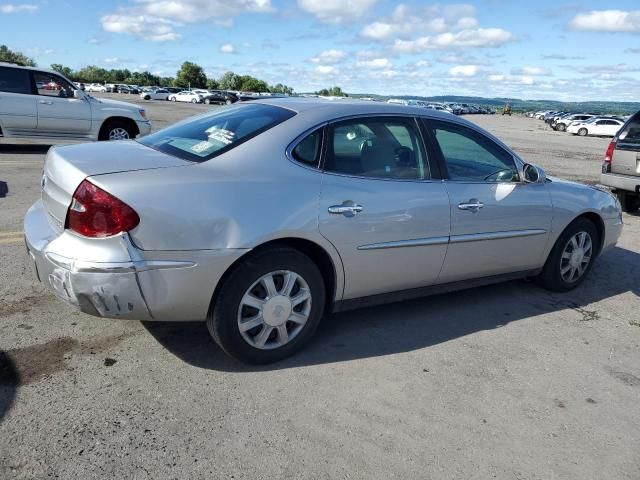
(470, 156)
(388, 148)
(206, 136)
(14, 80)
(52, 85)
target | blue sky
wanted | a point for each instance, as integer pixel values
(533, 50)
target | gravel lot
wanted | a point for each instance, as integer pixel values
(507, 381)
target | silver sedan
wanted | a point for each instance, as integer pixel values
(262, 216)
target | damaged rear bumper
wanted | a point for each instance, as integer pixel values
(99, 276)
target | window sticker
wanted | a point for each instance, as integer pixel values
(195, 147)
(221, 135)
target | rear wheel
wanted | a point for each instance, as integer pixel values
(561, 127)
(117, 130)
(228, 101)
(173, 99)
(571, 257)
(193, 100)
(582, 132)
(207, 101)
(269, 307)
(629, 202)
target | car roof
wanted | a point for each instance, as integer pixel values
(15, 65)
(346, 107)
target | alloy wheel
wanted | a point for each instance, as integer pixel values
(576, 257)
(118, 133)
(274, 310)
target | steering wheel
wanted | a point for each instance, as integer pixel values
(502, 175)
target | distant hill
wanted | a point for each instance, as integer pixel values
(622, 108)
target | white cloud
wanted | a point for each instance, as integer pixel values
(111, 60)
(11, 8)
(463, 71)
(478, 38)
(326, 69)
(607, 21)
(227, 48)
(375, 63)
(329, 57)
(511, 79)
(156, 20)
(146, 27)
(534, 71)
(431, 19)
(336, 11)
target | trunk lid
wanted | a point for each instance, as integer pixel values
(66, 167)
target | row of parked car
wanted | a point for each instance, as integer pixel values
(581, 124)
(455, 108)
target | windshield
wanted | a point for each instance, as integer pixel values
(201, 138)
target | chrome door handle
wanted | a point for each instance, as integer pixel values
(348, 209)
(45, 102)
(472, 205)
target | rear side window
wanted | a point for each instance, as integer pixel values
(206, 136)
(14, 80)
(307, 151)
(630, 135)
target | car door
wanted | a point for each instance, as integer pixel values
(58, 111)
(18, 111)
(499, 224)
(611, 127)
(382, 205)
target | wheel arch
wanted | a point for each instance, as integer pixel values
(116, 118)
(597, 220)
(332, 274)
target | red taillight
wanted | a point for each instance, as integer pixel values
(96, 213)
(608, 156)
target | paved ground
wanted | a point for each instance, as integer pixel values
(507, 381)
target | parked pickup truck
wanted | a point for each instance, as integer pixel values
(621, 167)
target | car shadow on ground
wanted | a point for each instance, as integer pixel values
(4, 189)
(9, 381)
(25, 149)
(417, 324)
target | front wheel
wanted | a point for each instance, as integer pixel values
(269, 307)
(207, 101)
(561, 127)
(193, 100)
(173, 99)
(582, 132)
(116, 130)
(571, 257)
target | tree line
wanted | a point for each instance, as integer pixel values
(190, 75)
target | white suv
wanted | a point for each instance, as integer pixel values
(41, 103)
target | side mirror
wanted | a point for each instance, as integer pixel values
(533, 174)
(78, 94)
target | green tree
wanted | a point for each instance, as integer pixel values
(280, 88)
(9, 56)
(251, 84)
(212, 84)
(91, 74)
(167, 81)
(230, 81)
(191, 75)
(142, 78)
(332, 92)
(66, 71)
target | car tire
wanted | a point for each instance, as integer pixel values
(147, 97)
(246, 282)
(207, 101)
(564, 270)
(561, 127)
(583, 132)
(173, 99)
(193, 100)
(116, 130)
(228, 101)
(629, 203)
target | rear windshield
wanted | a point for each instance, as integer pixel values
(630, 134)
(201, 138)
